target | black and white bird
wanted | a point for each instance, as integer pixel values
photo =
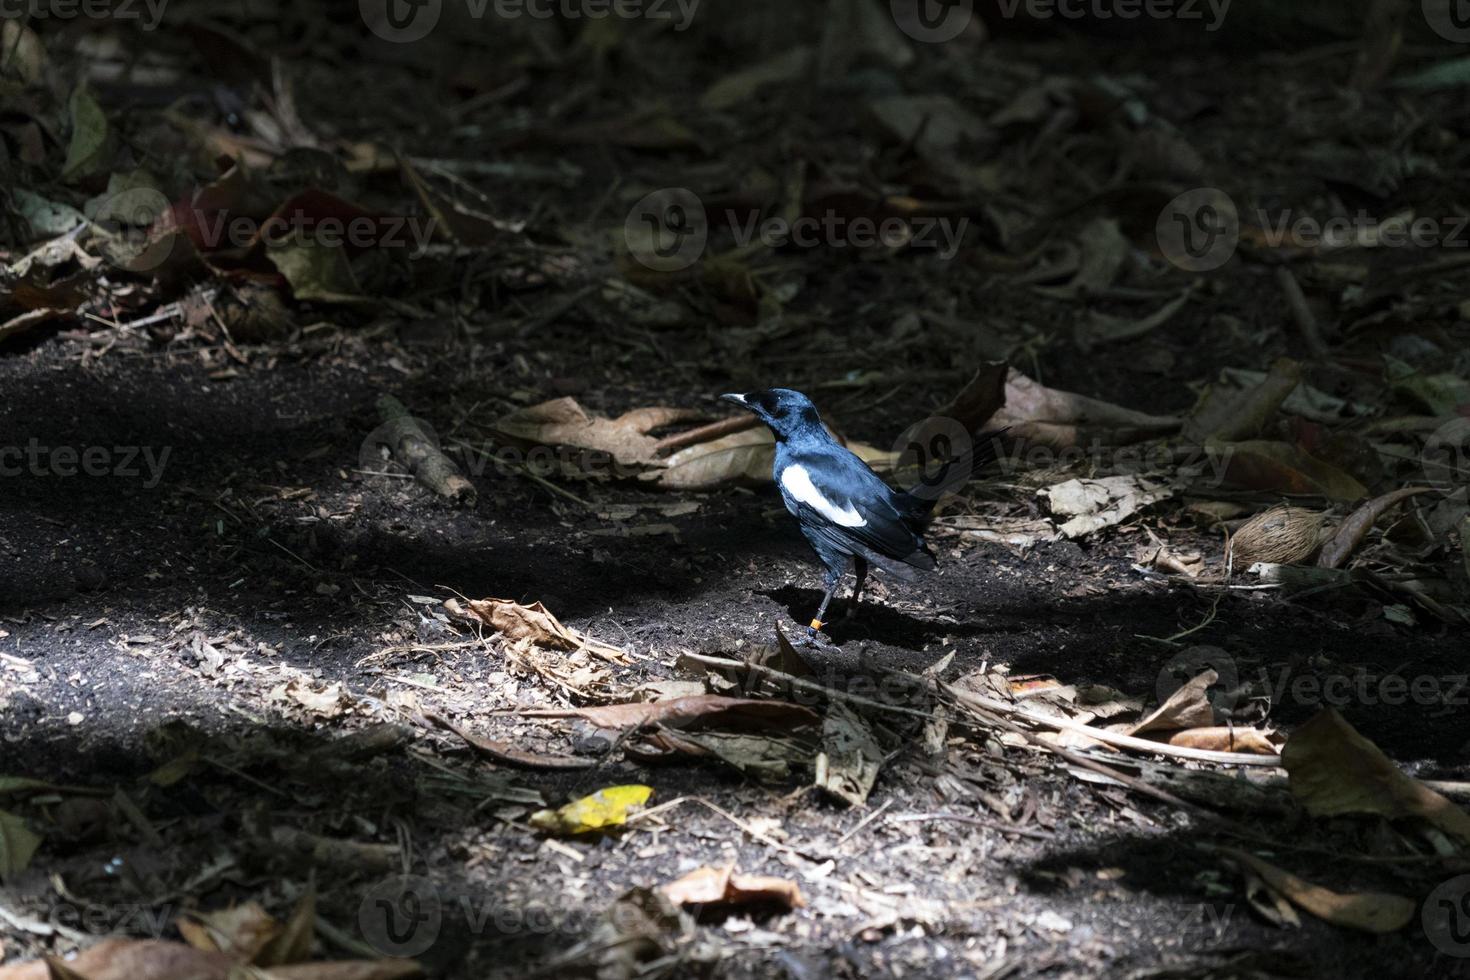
(848, 514)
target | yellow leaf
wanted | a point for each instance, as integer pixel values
(88, 135)
(17, 844)
(606, 808)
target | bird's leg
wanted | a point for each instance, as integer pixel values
(860, 574)
(833, 580)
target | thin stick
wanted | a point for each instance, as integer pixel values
(1004, 828)
(755, 834)
(863, 823)
(1132, 782)
(1000, 708)
(704, 433)
(1301, 313)
(1115, 739)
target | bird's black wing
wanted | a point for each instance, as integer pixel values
(841, 502)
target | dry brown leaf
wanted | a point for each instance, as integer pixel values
(848, 765)
(133, 959)
(1333, 770)
(292, 942)
(1187, 707)
(1223, 738)
(725, 886)
(459, 225)
(741, 457)
(1062, 419)
(1375, 912)
(240, 930)
(329, 700)
(1278, 467)
(1228, 413)
(533, 623)
(1085, 507)
(508, 754)
(1102, 251)
(564, 422)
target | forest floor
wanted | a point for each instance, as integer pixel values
(224, 640)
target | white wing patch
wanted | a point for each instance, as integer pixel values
(796, 481)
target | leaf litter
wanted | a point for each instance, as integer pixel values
(1348, 450)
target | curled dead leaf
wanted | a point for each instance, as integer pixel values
(1228, 413)
(1223, 738)
(1375, 912)
(564, 422)
(726, 886)
(1333, 770)
(1188, 707)
(534, 623)
(1062, 419)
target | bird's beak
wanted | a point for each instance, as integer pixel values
(737, 399)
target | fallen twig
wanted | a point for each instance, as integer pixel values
(420, 454)
(1001, 826)
(1301, 313)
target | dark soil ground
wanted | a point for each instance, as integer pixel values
(143, 618)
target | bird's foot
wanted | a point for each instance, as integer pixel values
(812, 639)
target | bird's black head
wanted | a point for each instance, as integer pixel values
(787, 412)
